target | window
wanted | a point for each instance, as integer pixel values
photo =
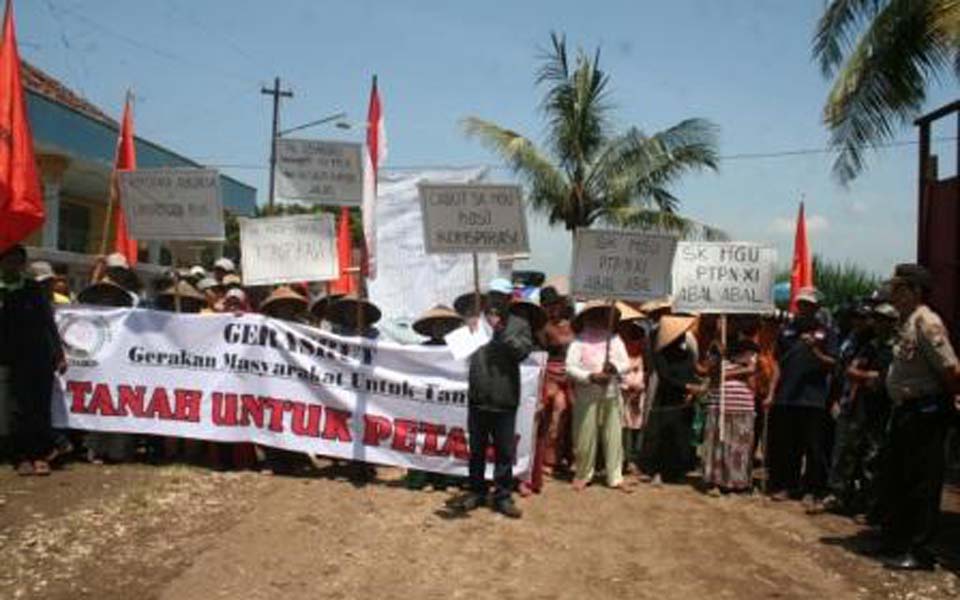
(74, 233)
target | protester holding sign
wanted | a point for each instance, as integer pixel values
(728, 441)
(595, 361)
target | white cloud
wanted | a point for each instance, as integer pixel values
(788, 225)
(857, 207)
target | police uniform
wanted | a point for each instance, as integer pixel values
(923, 360)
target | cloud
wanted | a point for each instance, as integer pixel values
(857, 208)
(788, 225)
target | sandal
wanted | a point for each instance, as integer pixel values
(41, 468)
(25, 468)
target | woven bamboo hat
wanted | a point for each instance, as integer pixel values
(283, 295)
(442, 316)
(657, 304)
(105, 293)
(529, 308)
(596, 307)
(466, 304)
(672, 327)
(318, 308)
(629, 313)
(344, 311)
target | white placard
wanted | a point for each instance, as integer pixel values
(463, 341)
(318, 171)
(270, 382)
(172, 204)
(724, 277)
(467, 218)
(276, 250)
(621, 264)
(410, 281)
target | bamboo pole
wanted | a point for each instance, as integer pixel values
(476, 284)
(723, 378)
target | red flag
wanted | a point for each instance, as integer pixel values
(21, 197)
(346, 283)
(372, 159)
(126, 160)
(801, 274)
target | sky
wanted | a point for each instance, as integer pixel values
(197, 68)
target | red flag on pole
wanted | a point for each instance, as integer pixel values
(126, 160)
(21, 197)
(376, 153)
(345, 284)
(801, 274)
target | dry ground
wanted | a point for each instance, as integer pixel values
(138, 531)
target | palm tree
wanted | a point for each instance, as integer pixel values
(589, 173)
(881, 54)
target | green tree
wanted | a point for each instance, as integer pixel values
(881, 55)
(587, 172)
(839, 283)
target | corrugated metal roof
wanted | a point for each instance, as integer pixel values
(47, 86)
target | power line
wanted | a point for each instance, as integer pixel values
(131, 41)
(727, 157)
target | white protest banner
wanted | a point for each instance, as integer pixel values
(318, 171)
(621, 264)
(410, 281)
(478, 217)
(254, 379)
(170, 204)
(277, 250)
(724, 277)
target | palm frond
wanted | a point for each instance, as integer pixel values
(837, 30)
(658, 221)
(575, 104)
(640, 168)
(882, 85)
(548, 187)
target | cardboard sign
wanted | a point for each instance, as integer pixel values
(172, 204)
(621, 264)
(276, 250)
(319, 171)
(410, 281)
(724, 277)
(459, 219)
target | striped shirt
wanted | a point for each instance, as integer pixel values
(738, 397)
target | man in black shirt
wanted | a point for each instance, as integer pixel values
(494, 396)
(806, 352)
(30, 346)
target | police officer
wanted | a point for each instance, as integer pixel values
(922, 378)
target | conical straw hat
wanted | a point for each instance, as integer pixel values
(283, 294)
(437, 313)
(629, 313)
(595, 306)
(671, 328)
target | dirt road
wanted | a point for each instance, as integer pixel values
(183, 533)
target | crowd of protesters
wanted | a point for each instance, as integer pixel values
(847, 411)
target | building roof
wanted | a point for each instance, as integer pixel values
(43, 84)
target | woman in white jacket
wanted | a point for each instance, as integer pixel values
(595, 361)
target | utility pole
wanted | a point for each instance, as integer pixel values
(277, 93)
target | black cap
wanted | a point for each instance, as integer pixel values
(913, 275)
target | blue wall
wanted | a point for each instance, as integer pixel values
(76, 134)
